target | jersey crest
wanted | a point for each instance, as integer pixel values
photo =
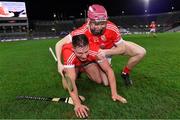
(103, 38)
(96, 39)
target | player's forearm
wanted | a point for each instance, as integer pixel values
(112, 81)
(58, 51)
(74, 96)
(74, 93)
(110, 74)
(59, 46)
(114, 51)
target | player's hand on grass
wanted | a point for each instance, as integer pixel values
(81, 111)
(119, 98)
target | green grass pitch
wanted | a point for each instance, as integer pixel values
(27, 68)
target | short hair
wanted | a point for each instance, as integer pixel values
(80, 40)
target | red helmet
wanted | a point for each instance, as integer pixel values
(97, 12)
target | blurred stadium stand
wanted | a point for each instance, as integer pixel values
(139, 24)
(21, 28)
(13, 27)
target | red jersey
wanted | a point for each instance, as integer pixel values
(70, 59)
(153, 26)
(110, 37)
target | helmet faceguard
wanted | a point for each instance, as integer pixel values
(97, 15)
(97, 27)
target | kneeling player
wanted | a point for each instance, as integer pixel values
(80, 55)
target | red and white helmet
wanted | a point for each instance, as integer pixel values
(97, 12)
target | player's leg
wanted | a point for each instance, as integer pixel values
(136, 53)
(104, 77)
(154, 33)
(150, 32)
(95, 73)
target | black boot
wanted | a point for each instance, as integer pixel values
(126, 79)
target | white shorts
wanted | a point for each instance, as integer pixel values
(153, 30)
(109, 58)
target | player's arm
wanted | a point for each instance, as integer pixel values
(111, 77)
(58, 49)
(81, 110)
(70, 72)
(118, 50)
(110, 74)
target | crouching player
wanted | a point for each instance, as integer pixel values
(80, 54)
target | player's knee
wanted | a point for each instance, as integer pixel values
(106, 84)
(142, 53)
(98, 81)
